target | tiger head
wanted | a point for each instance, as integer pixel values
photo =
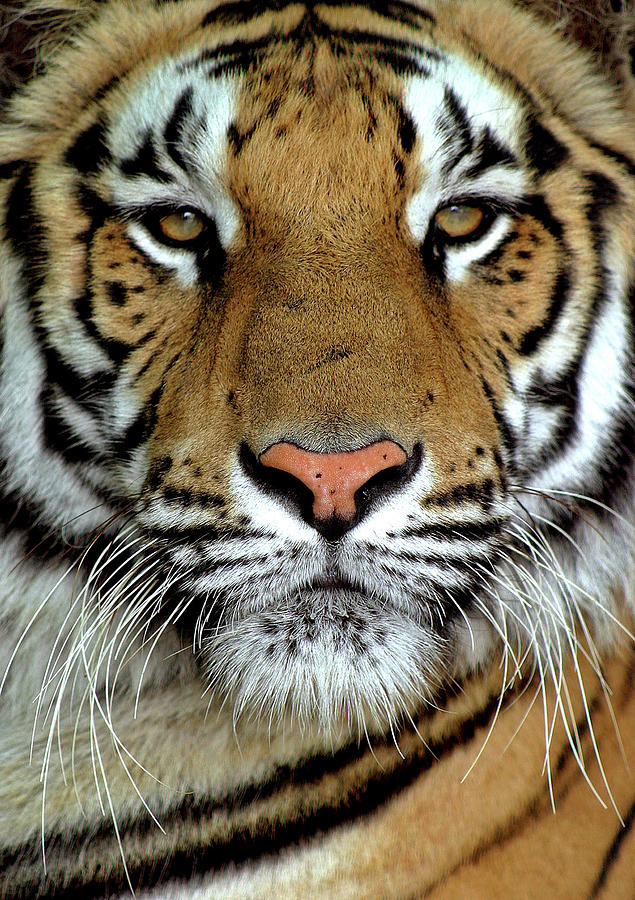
(317, 347)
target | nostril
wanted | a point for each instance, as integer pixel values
(332, 490)
(389, 479)
(333, 478)
(282, 484)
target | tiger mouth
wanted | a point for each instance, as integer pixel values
(335, 584)
(328, 600)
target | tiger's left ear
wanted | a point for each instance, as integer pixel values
(606, 28)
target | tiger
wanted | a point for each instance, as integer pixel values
(316, 434)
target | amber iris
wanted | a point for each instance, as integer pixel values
(184, 225)
(459, 221)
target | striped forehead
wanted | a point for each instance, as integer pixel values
(171, 133)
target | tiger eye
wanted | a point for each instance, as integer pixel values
(458, 220)
(184, 225)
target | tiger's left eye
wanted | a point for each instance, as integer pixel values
(459, 221)
(184, 225)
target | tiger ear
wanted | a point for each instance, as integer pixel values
(29, 31)
(606, 28)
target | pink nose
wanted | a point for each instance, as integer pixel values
(333, 478)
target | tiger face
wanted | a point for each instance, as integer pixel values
(322, 347)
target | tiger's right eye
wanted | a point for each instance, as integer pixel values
(459, 220)
(182, 226)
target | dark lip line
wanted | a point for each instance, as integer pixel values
(331, 582)
(341, 584)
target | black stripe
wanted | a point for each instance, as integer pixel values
(557, 301)
(535, 809)
(238, 139)
(145, 162)
(174, 126)
(463, 566)
(604, 195)
(507, 436)
(25, 230)
(158, 468)
(620, 158)
(101, 92)
(42, 540)
(481, 493)
(233, 13)
(406, 128)
(616, 466)
(142, 427)
(563, 392)
(612, 855)
(455, 127)
(24, 514)
(456, 531)
(188, 498)
(403, 55)
(87, 391)
(225, 57)
(154, 354)
(401, 63)
(96, 209)
(489, 153)
(544, 151)
(396, 10)
(494, 256)
(218, 614)
(188, 536)
(11, 169)
(89, 151)
(58, 435)
(537, 106)
(246, 844)
(537, 207)
(117, 351)
(403, 48)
